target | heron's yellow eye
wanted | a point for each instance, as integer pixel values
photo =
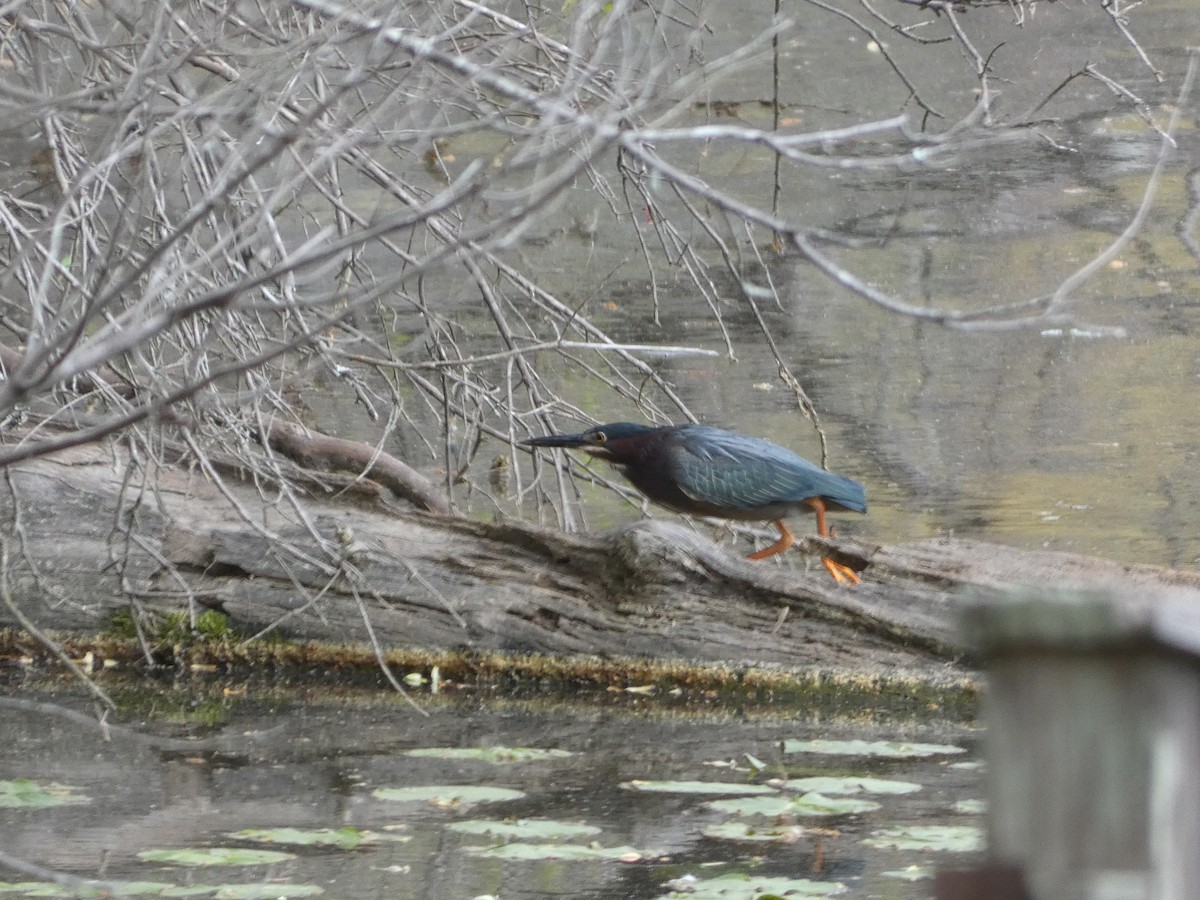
(599, 437)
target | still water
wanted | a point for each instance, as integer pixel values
(1080, 435)
(378, 801)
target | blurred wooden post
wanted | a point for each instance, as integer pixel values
(1092, 715)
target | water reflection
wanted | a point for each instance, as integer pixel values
(1053, 440)
(324, 764)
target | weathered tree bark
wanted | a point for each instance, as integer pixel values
(81, 542)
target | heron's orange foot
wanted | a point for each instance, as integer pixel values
(841, 574)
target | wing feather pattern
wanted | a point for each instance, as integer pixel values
(739, 472)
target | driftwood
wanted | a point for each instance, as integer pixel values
(426, 580)
(314, 449)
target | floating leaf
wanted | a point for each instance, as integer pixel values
(752, 806)
(140, 889)
(742, 887)
(810, 804)
(815, 804)
(971, 807)
(697, 787)
(888, 749)
(525, 829)
(25, 794)
(215, 856)
(954, 838)
(345, 838)
(744, 831)
(266, 891)
(447, 795)
(852, 785)
(110, 889)
(41, 889)
(496, 755)
(561, 851)
(253, 891)
(912, 873)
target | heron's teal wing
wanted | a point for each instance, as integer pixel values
(734, 471)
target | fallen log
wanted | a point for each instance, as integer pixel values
(83, 541)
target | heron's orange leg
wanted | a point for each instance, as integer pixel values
(841, 574)
(786, 539)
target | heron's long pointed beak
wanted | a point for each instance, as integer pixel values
(556, 440)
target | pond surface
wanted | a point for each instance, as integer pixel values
(1077, 436)
(611, 812)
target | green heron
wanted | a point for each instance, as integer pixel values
(707, 471)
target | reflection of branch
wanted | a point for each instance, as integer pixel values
(381, 657)
(883, 51)
(1187, 225)
(41, 637)
(1042, 103)
(1142, 107)
(1166, 145)
(110, 731)
(1112, 7)
(966, 320)
(906, 30)
(88, 887)
(981, 64)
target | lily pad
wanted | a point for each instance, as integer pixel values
(25, 794)
(697, 787)
(494, 755)
(266, 891)
(110, 889)
(742, 887)
(215, 856)
(745, 831)
(911, 873)
(345, 838)
(526, 851)
(447, 795)
(886, 749)
(952, 838)
(852, 785)
(971, 807)
(37, 889)
(525, 829)
(253, 891)
(810, 804)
